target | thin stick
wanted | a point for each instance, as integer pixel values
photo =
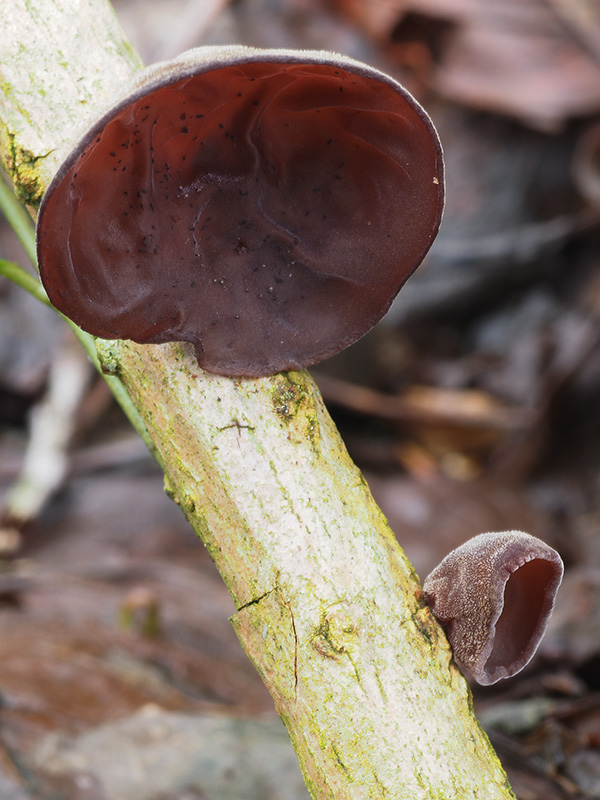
(18, 219)
(22, 278)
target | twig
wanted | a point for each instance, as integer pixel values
(18, 219)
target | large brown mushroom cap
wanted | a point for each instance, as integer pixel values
(262, 205)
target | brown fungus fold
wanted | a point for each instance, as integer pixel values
(494, 596)
(266, 206)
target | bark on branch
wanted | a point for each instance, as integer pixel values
(328, 611)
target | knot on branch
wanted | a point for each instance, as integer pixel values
(337, 633)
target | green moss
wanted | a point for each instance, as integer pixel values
(288, 394)
(294, 404)
(426, 627)
(109, 357)
(24, 170)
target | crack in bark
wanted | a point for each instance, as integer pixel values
(256, 600)
(235, 423)
(295, 649)
(339, 761)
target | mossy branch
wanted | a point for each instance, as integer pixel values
(328, 607)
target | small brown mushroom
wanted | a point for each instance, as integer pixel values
(494, 596)
(265, 206)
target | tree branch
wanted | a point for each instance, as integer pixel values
(328, 611)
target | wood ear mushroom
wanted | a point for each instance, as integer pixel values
(494, 596)
(264, 205)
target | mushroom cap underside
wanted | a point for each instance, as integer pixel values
(266, 208)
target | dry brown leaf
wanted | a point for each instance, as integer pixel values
(530, 67)
(583, 17)
(535, 60)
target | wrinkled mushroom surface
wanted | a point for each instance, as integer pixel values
(262, 205)
(494, 596)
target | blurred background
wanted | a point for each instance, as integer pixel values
(473, 406)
